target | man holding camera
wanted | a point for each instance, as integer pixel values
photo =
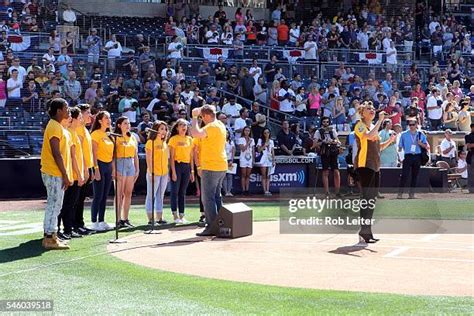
(328, 146)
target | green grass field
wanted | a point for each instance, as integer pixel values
(87, 280)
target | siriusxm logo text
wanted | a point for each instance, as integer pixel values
(276, 178)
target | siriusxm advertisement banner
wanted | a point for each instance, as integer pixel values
(286, 175)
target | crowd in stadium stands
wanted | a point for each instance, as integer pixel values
(141, 85)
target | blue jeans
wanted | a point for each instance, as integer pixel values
(160, 188)
(101, 191)
(178, 187)
(211, 185)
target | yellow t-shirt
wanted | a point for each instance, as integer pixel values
(182, 145)
(213, 155)
(105, 146)
(197, 144)
(78, 153)
(127, 147)
(86, 143)
(48, 165)
(161, 156)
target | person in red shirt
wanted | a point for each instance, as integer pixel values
(394, 111)
(282, 31)
(251, 33)
(420, 94)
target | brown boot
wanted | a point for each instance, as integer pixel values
(53, 243)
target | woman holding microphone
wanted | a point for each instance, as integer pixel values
(157, 156)
(127, 169)
(367, 165)
(103, 153)
(181, 157)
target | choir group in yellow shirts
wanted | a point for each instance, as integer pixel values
(72, 159)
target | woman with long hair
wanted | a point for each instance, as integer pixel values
(266, 148)
(157, 162)
(247, 157)
(367, 165)
(314, 101)
(128, 169)
(229, 177)
(181, 156)
(450, 117)
(339, 114)
(274, 101)
(103, 154)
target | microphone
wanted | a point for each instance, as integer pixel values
(114, 134)
(150, 130)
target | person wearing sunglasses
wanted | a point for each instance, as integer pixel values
(411, 141)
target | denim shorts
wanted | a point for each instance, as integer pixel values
(126, 167)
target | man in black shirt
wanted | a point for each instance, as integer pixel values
(220, 71)
(469, 139)
(286, 139)
(271, 69)
(160, 108)
(221, 16)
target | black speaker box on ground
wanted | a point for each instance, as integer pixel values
(233, 221)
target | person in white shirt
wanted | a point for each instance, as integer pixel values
(435, 109)
(175, 49)
(287, 97)
(232, 110)
(114, 51)
(386, 41)
(448, 148)
(212, 36)
(363, 39)
(69, 16)
(16, 66)
(294, 34)
(241, 122)
(266, 149)
(187, 95)
(14, 85)
(462, 168)
(247, 157)
(168, 67)
(310, 48)
(433, 24)
(49, 56)
(391, 53)
(255, 71)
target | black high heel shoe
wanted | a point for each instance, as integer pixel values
(367, 239)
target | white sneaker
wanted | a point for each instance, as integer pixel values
(95, 226)
(184, 221)
(104, 226)
(229, 194)
(178, 221)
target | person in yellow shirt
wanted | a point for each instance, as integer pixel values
(196, 152)
(127, 168)
(102, 153)
(157, 162)
(213, 162)
(56, 170)
(71, 195)
(181, 157)
(88, 163)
